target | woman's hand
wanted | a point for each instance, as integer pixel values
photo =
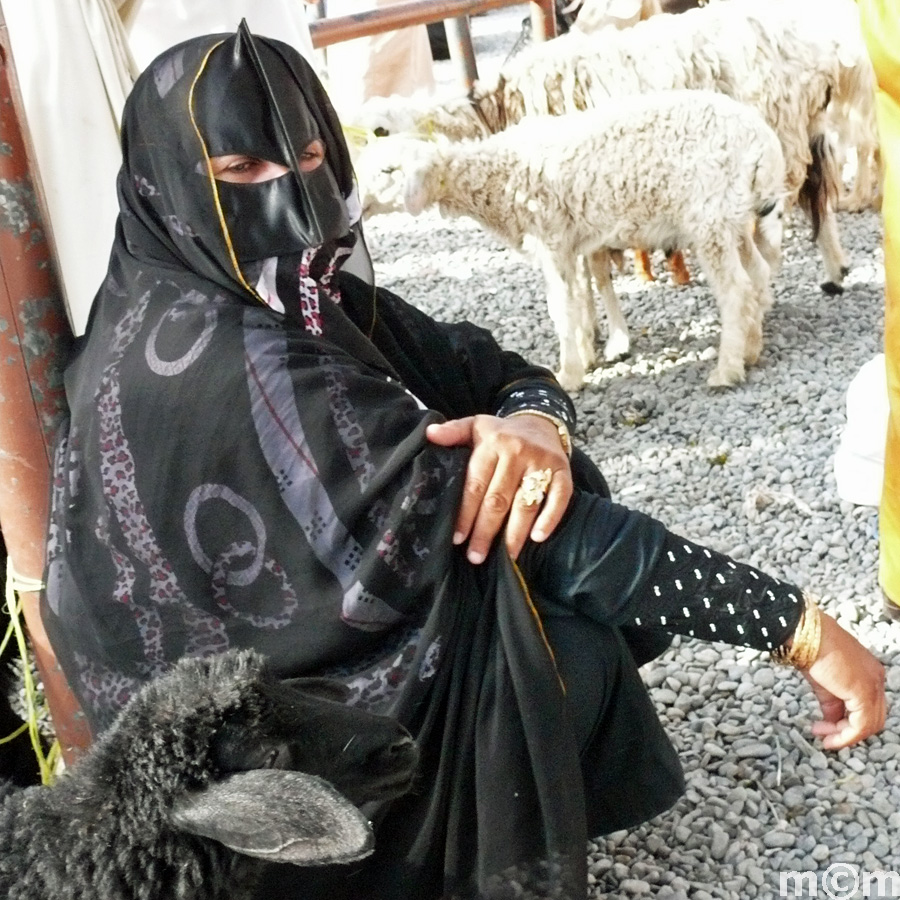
(503, 452)
(849, 685)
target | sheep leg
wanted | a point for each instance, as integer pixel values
(735, 296)
(572, 312)
(768, 235)
(829, 243)
(865, 190)
(618, 257)
(642, 267)
(760, 300)
(680, 273)
(618, 343)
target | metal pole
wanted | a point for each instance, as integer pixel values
(418, 12)
(35, 337)
(462, 53)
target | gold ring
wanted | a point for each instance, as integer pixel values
(534, 486)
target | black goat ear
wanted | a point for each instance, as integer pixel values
(280, 816)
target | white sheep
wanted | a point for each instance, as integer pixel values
(678, 168)
(789, 60)
(855, 127)
(207, 771)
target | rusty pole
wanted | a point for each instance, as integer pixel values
(419, 12)
(35, 338)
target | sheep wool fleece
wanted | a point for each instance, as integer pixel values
(881, 29)
(245, 465)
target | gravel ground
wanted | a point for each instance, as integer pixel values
(749, 472)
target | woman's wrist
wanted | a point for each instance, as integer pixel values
(561, 428)
(801, 649)
(537, 394)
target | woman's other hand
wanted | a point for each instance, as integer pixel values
(849, 684)
(504, 451)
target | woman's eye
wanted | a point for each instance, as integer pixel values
(311, 158)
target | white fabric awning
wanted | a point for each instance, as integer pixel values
(76, 61)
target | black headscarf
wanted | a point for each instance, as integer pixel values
(245, 466)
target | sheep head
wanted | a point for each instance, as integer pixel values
(392, 174)
(271, 768)
(455, 118)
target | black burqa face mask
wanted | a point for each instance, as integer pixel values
(247, 101)
(235, 94)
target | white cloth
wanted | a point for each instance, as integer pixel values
(74, 71)
(859, 460)
(75, 64)
(393, 62)
(156, 25)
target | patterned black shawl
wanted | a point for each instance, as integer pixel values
(245, 473)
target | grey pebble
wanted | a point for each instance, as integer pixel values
(779, 839)
(755, 750)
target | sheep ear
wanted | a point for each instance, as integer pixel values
(279, 816)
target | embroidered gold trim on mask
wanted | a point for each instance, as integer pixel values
(212, 179)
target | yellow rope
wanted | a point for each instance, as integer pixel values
(15, 584)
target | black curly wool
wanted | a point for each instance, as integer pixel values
(102, 831)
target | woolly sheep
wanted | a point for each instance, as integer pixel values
(787, 59)
(853, 129)
(208, 770)
(677, 168)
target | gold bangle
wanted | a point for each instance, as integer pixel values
(806, 640)
(561, 427)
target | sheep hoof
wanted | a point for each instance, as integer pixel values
(570, 381)
(617, 347)
(845, 271)
(719, 379)
(832, 288)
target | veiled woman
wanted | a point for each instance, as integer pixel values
(266, 450)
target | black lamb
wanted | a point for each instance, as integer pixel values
(209, 769)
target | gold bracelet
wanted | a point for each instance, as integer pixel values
(806, 640)
(561, 427)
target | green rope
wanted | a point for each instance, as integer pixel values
(14, 585)
(9, 631)
(11, 737)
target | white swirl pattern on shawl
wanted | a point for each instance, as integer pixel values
(206, 633)
(223, 570)
(177, 366)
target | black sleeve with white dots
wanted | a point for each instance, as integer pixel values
(622, 567)
(698, 592)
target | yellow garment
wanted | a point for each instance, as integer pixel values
(881, 29)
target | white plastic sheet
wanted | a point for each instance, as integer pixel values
(393, 62)
(74, 70)
(76, 63)
(859, 460)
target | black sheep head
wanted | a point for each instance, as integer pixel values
(268, 767)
